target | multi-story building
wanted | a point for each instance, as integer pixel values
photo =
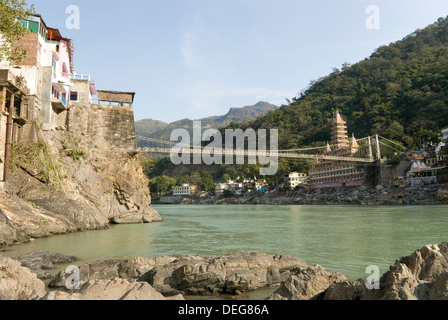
(294, 179)
(42, 92)
(333, 174)
(46, 70)
(183, 190)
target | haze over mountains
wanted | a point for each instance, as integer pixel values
(156, 129)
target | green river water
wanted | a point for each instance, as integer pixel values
(346, 239)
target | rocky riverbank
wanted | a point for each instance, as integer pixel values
(71, 182)
(423, 275)
(434, 194)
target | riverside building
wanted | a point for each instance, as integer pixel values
(334, 174)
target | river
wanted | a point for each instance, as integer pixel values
(346, 239)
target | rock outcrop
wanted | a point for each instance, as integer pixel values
(41, 261)
(194, 275)
(421, 276)
(222, 274)
(17, 282)
(71, 181)
(307, 284)
(115, 289)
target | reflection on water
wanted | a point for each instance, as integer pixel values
(341, 238)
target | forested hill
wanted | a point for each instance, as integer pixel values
(400, 92)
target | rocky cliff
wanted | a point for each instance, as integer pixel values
(84, 176)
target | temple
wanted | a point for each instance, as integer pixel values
(334, 174)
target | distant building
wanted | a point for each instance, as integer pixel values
(445, 134)
(416, 154)
(421, 173)
(237, 188)
(332, 174)
(294, 179)
(220, 188)
(440, 158)
(183, 190)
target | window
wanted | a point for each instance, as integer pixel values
(73, 96)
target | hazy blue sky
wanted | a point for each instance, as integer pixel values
(193, 58)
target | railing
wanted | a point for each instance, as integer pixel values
(79, 77)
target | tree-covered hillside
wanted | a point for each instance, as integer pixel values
(400, 92)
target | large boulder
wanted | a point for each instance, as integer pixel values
(40, 261)
(442, 195)
(237, 272)
(115, 289)
(130, 269)
(307, 284)
(17, 282)
(421, 276)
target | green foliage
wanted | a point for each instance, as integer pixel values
(206, 183)
(400, 92)
(76, 154)
(162, 184)
(11, 14)
(153, 167)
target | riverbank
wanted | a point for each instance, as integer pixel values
(433, 194)
(419, 276)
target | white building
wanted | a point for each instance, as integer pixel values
(295, 179)
(183, 190)
(445, 134)
(220, 188)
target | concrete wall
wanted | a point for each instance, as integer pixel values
(109, 127)
(3, 119)
(82, 87)
(46, 111)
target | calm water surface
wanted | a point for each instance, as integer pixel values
(341, 238)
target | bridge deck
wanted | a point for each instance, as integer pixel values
(279, 154)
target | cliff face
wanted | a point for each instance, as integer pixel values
(78, 179)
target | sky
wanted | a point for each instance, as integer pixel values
(198, 58)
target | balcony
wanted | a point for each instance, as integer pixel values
(59, 103)
(13, 82)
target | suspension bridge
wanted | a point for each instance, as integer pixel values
(366, 150)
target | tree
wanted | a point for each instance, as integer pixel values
(225, 178)
(162, 184)
(206, 182)
(11, 29)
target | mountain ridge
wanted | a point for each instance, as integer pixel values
(156, 129)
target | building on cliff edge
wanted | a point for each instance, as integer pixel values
(334, 174)
(43, 92)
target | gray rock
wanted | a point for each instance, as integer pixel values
(222, 274)
(421, 276)
(307, 284)
(115, 289)
(17, 282)
(130, 269)
(40, 261)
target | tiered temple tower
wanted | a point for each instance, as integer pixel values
(332, 174)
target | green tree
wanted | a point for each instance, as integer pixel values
(161, 185)
(225, 178)
(206, 183)
(12, 12)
